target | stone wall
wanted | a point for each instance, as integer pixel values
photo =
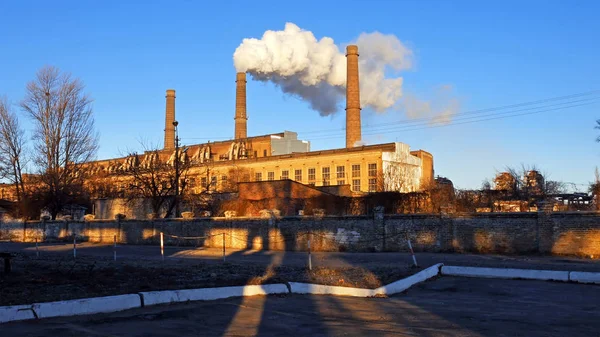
(564, 233)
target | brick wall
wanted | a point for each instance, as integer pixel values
(564, 233)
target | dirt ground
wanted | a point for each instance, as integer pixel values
(52, 278)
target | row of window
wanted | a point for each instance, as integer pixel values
(340, 176)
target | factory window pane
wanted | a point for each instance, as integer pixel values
(258, 176)
(355, 170)
(356, 185)
(326, 175)
(285, 174)
(372, 185)
(270, 176)
(298, 175)
(373, 170)
(312, 174)
(341, 172)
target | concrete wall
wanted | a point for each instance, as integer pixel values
(565, 233)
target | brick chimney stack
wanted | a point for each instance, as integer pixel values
(169, 119)
(353, 129)
(240, 107)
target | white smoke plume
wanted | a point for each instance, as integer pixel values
(315, 70)
(439, 107)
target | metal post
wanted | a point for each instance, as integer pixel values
(412, 252)
(162, 246)
(37, 251)
(309, 257)
(74, 246)
(223, 247)
(115, 248)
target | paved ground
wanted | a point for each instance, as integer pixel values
(366, 260)
(443, 307)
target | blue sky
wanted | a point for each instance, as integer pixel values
(492, 54)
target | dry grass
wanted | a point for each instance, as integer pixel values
(53, 279)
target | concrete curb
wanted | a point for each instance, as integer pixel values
(16, 313)
(207, 294)
(87, 306)
(401, 285)
(584, 277)
(319, 289)
(546, 275)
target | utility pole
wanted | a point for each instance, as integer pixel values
(175, 123)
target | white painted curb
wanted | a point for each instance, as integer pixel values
(528, 274)
(87, 306)
(16, 313)
(207, 294)
(584, 277)
(318, 289)
(401, 285)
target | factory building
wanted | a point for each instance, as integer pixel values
(280, 156)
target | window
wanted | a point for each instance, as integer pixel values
(264, 153)
(224, 179)
(192, 183)
(341, 182)
(372, 185)
(312, 174)
(298, 175)
(373, 170)
(326, 175)
(203, 182)
(258, 176)
(341, 172)
(356, 185)
(356, 171)
(270, 176)
(213, 181)
(285, 174)
(255, 154)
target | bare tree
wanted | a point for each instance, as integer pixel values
(63, 137)
(151, 177)
(12, 146)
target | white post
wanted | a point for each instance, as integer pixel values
(74, 246)
(162, 246)
(412, 252)
(115, 248)
(309, 257)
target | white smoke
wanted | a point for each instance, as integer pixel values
(315, 70)
(439, 107)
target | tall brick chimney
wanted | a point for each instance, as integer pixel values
(240, 107)
(169, 119)
(353, 130)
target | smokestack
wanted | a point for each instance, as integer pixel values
(240, 106)
(169, 119)
(353, 132)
